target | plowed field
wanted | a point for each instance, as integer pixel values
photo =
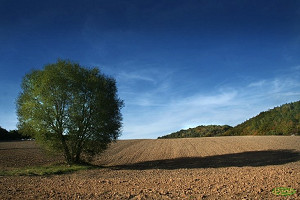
(244, 167)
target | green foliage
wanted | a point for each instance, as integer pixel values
(200, 131)
(44, 170)
(282, 120)
(70, 109)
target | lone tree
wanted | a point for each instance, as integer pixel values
(70, 109)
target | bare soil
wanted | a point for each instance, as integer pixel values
(16, 154)
(242, 167)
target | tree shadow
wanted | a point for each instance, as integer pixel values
(249, 158)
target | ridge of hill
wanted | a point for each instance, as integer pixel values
(199, 131)
(281, 120)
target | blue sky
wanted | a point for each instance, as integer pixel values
(178, 64)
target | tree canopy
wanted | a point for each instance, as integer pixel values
(199, 131)
(282, 120)
(70, 109)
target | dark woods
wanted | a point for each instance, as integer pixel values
(11, 135)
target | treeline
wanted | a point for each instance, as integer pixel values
(11, 135)
(199, 131)
(282, 120)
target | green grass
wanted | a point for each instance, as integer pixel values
(45, 170)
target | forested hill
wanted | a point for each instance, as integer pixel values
(282, 120)
(200, 131)
(11, 135)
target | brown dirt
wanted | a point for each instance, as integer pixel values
(16, 154)
(245, 167)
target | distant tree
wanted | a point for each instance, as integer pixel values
(11, 135)
(3, 130)
(199, 131)
(3, 133)
(70, 109)
(282, 120)
(16, 135)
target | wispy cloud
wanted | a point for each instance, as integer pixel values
(135, 76)
(208, 100)
(296, 67)
(178, 114)
(257, 84)
(161, 115)
(155, 105)
(144, 87)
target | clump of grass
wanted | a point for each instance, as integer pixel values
(45, 170)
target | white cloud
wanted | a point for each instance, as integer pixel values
(151, 116)
(155, 106)
(213, 100)
(135, 77)
(257, 84)
(177, 114)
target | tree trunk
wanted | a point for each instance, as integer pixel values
(78, 152)
(77, 158)
(67, 154)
